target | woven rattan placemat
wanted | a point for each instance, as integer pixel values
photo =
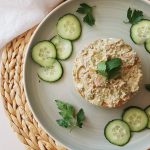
(12, 90)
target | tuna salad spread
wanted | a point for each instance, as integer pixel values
(96, 88)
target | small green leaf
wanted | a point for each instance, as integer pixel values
(62, 122)
(60, 104)
(88, 11)
(147, 86)
(67, 110)
(84, 9)
(69, 118)
(65, 115)
(81, 10)
(113, 64)
(113, 67)
(89, 19)
(114, 73)
(110, 68)
(129, 13)
(134, 16)
(63, 106)
(102, 68)
(80, 118)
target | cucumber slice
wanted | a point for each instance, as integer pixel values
(136, 118)
(117, 132)
(63, 47)
(147, 110)
(69, 27)
(51, 74)
(140, 32)
(147, 45)
(42, 53)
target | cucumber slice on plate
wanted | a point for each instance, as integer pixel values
(147, 110)
(69, 27)
(117, 132)
(140, 32)
(51, 74)
(136, 118)
(42, 53)
(147, 45)
(63, 47)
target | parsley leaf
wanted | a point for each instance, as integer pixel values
(69, 118)
(134, 16)
(62, 123)
(63, 106)
(88, 11)
(89, 19)
(147, 86)
(80, 118)
(110, 68)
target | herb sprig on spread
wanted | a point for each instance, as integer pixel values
(109, 68)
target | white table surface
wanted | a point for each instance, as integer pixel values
(8, 138)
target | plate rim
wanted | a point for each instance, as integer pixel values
(25, 65)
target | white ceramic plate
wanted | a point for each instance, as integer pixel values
(109, 15)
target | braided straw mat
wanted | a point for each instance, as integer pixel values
(12, 90)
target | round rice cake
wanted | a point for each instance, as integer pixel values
(97, 89)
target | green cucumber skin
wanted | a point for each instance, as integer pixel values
(40, 42)
(138, 108)
(56, 48)
(145, 112)
(146, 47)
(79, 23)
(112, 142)
(131, 33)
(55, 80)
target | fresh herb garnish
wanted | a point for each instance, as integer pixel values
(69, 118)
(147, 86)
(80, 118)
(134, 16)
(88, 11)
(109, 68)
(102, 68)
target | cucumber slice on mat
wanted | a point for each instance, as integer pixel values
(147, 45)
(69, 27)
(147, 110)
(140, 32)
(42, 53)
(117, 132)
(136, 118)
(63, 47)
(51, 74)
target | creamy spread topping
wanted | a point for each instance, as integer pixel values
(96, 88)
